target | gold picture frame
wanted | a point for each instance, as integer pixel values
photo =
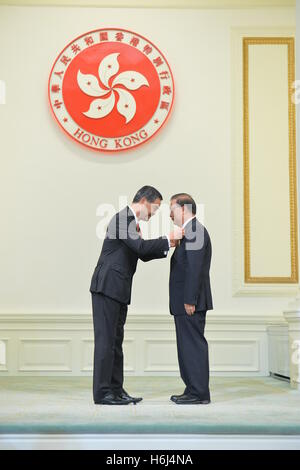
(248, 278)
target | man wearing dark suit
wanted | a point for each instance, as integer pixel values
(190, 298)
(111, 291)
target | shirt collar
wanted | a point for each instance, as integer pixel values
(187, 221)
(136, 219)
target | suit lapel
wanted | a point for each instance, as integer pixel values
(178, 249)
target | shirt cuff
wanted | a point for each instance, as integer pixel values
(167, 236)
(166, 252)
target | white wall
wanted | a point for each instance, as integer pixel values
(50, 187)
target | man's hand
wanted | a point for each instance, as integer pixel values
(176, 235)
(190, 309)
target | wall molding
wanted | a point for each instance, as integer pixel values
(239, 285)
(213, 318)
(63, 343)
(184, 4)
(290, 72)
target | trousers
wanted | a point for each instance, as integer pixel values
(192, 351)
(109, 317)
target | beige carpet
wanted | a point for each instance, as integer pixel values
(258, 405)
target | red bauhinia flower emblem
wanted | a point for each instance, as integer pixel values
(111, 89)
(106, 97)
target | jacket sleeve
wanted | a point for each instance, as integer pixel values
(145, 249)
(151, 257)
(194, 254)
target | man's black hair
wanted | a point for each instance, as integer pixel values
(149, 193)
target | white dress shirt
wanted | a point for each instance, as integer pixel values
(136, 221)
(187, 221)
(135, 216)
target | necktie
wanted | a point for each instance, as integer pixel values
(138, 229)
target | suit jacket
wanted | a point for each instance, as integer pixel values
(122, 247)
(189, 281)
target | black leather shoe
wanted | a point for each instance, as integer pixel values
(112, 399)
(125, 396)
(190, 400)
(175, 397)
